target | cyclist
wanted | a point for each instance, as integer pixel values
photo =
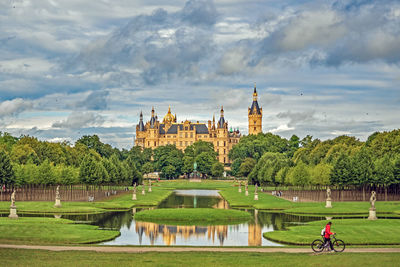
(328, 233)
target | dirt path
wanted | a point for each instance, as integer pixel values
(190, 249)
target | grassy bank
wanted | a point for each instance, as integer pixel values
(19, 257)
(186, 184)
(351, 231)
(50, 231)
(120, 202)
(265, 201)
(193, 216)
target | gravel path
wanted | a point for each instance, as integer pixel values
(189, 249)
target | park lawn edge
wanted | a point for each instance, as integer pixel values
(360, 232)
(198, 216)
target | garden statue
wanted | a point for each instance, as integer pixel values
(149, 185)
(134, 192)
(13, 208)
(13, 199)
(247, 188)
(143, 189)
(240, 186)
(195, 167)
(328, 198)
(256, 193)
(372, 210)
(58, 201)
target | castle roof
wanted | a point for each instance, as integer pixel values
(201, 128)
(255, 109)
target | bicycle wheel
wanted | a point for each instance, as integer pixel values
(338, 245)
(317, 245)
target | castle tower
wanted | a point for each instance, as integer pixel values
(255, 115)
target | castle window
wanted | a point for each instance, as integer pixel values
(180, 143)
(224, 143)
(148, 143)
(191, 135)
(155, 144)
(254, 128)
(224, 151)
(254, 122)
(217, 151)
(186, 135)
(224, 160)
(186, 143)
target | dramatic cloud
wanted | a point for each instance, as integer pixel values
(12, 107)
(78, 120)
(69, 68)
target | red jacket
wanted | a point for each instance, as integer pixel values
(328, 232)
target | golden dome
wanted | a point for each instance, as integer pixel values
(169, 118)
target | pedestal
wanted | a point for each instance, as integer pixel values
(13, 212)
(372, 214)
(256, 197)
(58, 203)
(143, 192)
(149, 189)
(328, 203)
(134, 196)
(247, 193)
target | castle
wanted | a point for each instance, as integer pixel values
(169, 132)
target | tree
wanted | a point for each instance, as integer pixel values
(134, 176)
(147, 168)
(91, 171)
(362, 168)
(246, 167)
(341, 171)
(6, 170)
(235, 167)
(204, 162)
(169, 171)
(321, 174)
(187, 164)
(46, 174)
(384, 173)
(217, 169)
(300, 175)
(23, 153)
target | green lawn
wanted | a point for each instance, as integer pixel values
(265, 201)
(185, 184)
(351, 231)
(50, 231)
(19, 257)
(120, 202)
(48, 207)
(193, 216)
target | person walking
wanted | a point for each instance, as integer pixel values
(328, 234)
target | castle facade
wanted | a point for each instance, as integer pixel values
(156, 133)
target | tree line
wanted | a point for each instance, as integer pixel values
(29, 161)
(268, 159)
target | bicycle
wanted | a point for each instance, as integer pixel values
(318, 245)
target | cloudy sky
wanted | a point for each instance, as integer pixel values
(70, 68)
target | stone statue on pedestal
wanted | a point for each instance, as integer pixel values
(240, 186)
(149, 185)
(13, 208)
(58, 200)
(134, 192)
(256, 193)
(143, 189)
(328, 198)
(372, 210)
(247, 188)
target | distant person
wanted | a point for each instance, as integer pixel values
(328, 233)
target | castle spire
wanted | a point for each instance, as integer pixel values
(141, 125)
(221, 121)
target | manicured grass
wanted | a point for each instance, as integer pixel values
(48, 207)
(351, 231)
(345, 208)
(120, 202)
(124, 201)
(19, 257)
(265, 201)
(186, 184)
(50, 231)
(193, 216)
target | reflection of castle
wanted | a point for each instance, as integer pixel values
(213, 232)
(170, 232)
